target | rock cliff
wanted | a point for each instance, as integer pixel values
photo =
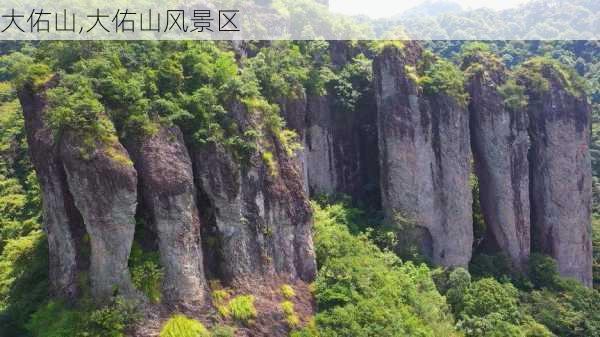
(500, 142)
(227, 196)
(103, 183)
(424, 157)
(62, 222)
(262, 213)
(169, 195)
(560, 172)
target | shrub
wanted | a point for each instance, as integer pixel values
(543, 271)
(223, 331)
(73, 105)
(488, 296)
(534, 329)
(538, 71)
(54, 320)
(270, 162)
(513, 94)
(146, 273)
(181, 326)
(147, 278)
(363, 291)
(491, 325)
(287, 291)
(459, 282)
(443, 77)
(242, 308)
(220, 297)
(23, 280)
(111, 320)
(291, 318)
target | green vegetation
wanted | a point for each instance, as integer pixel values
(242, 308)
(539, 71)
(181, 326)
(146, 273)
(367, 285)
(291, 318)
(223, 331)
(364, 291)
(357, 279)
(514, 95)
(287, 291)
(443, 77)
(352, 83)
(56, 319)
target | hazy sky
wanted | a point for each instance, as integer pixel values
(385, 8)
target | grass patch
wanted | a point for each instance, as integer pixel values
(287, 291)
(181, 326)
(242, 308)
(291, 318)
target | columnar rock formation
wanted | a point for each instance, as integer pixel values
(262, 213)
(408, 144)
(341, 142)
(294, 112)
(169, 196)
(62, 222)
(424, 158)
(500, 142)
(90, 185)
(103, 183)
(560, 171)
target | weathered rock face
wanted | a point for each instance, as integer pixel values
(321, 165)
(62, 222)
(425, 159)
(500, 142)
(560, 175)
(294, 112)
(104, 188)
(262, 215)
(168, 194)
(342, 153)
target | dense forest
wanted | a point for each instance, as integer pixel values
(370, 281)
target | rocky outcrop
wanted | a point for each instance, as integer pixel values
(294, 111)
(500, 141)
(62, 222)
(424, 159)
(261, 211)
(321, 165)
(103, 183)
(560, 172)
(168, 195)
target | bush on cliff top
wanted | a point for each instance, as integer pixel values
(443, 77)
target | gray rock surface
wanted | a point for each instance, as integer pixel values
(424, 159)
(103, 183)
(62, 222)
(500, 142)
(321, 165)
(263, 217)
(561, 175)
(169, 196)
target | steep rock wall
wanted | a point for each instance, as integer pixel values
(62, 222)
(500, 142)
(262, 215)
(424, 159)
(168, 194)
(560, 173)
(104, 187)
